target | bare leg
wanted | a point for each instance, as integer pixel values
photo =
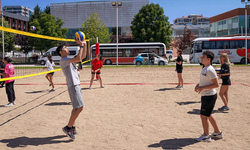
(74, 115)
(92, 78)
(223, 90)
(51, 81)
(204, 120)
(178, 79)
(47, 77)
(226, 94)
(214, 124)
(99, 76)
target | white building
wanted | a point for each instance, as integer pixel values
(19, 10)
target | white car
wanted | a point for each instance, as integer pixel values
(169, 54)
(143, 59)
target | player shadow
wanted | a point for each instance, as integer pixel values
(186, 103)
(174, 143)
(197, 112)
(167, 89)
(58, 103)
(26, 141)
(85, 88)
(33, 92)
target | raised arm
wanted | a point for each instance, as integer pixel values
(81, 53)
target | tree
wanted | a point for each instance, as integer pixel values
(183, 42)
(9, 42)
(50, 26)
(151, 25)
(47, 10)
(94, 27)
(24, 42)
(37, 13)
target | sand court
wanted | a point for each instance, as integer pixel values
(138, 109)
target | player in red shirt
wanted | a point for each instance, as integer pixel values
(96, 69)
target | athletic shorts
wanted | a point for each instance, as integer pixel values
(207, 104)
(98, 72)
(226, 81)
(52, 73)
(75, 94)
(179, 70)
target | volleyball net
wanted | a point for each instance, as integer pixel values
(30, 57)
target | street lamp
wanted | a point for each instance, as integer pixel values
(246, 7)
(3, 34)
(116, 5)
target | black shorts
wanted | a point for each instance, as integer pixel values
(52, 73)
(179, 70)
(207, 104)
(226, 81)
(96, 72)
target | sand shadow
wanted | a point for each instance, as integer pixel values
(197, 112)
(58, 103)
(174, 143)
(167, 89)
(25, 141)
(186, 103)
(85, 88)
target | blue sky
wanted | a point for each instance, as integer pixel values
(172, 8)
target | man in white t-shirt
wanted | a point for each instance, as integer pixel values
(69, 68)
(208, 83)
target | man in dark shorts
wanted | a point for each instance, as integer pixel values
(73, 83)
(208, 83)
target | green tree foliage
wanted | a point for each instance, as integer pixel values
(37, 13)
(94, 27)
(151, 25)
(47, 9)
(50, 26)
(8, 39)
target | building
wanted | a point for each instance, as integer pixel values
(231, 23)
(75, 13)
(19, 10)
(198, 24)
(17, 22)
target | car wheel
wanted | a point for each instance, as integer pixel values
(42, 62)
(161, 63)
(138, 63)
(108, 62)
(170, 57)
(243, 61)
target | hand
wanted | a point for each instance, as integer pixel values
(198, 89)
(79, 42)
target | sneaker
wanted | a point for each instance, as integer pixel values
(52, 90)
(102, 86)
(223, 108)
(178, 86)
(14, 103)
(74, 130)
(216, 135)
(90, 87)
(204, 138)
(9, 105)
(182, 87)
(68, 132)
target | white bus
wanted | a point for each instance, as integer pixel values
(127, 52)
(233, 46)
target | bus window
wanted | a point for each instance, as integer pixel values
(205, 45)
(225, 44)
(198, 48)
(219, 44)
(233, 44)
(211, 44)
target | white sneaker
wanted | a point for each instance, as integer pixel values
(182, 87)
(216, 135)
(14, 103)
(102, 86)
(178, 86)
(90, 87)
(204, 138)
(9, 105)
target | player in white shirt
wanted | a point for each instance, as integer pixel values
(50, 66)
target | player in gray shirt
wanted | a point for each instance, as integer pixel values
(69, 68)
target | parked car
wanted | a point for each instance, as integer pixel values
(73, 50)
(144, 59)
(169, 54)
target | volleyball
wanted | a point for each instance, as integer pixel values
(32, 28)
(80, 35)
(217, 71)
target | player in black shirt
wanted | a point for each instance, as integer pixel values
(226, 82)
(179, 69)
(2, 66)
